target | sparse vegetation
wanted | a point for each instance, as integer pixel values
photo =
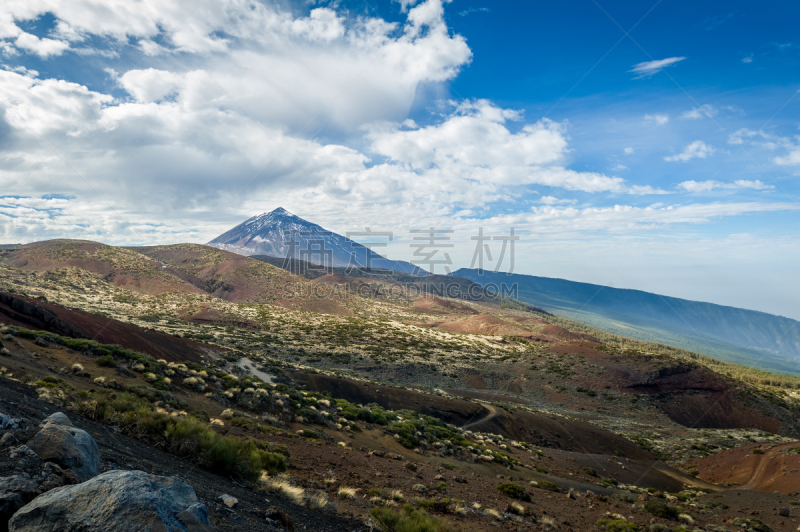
(346, 492)
(661, 509)
(408, 520)
(282, 485)
(515, 491)
(616, 525)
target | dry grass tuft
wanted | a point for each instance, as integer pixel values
(318, 501)
(282, 485)
(346, 492)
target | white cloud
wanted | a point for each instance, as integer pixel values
(42, 47)
(696, 150)
(247, 107)
(551, 200)
(648, 68)
(474, 10)
(708, 186)
(474, 148)
(628, 151)
(748, 59)
(696, 113)
(340, 73)
(37, 107)
(151, 85)
(658, 119)
(627, 218)
(791, 158)
(739, 137)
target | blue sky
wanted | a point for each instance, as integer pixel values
(664, 159)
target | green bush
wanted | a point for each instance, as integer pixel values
(590, 471)
(547, 485)
(106, 361)
(188, 437)
(243, 422)
(616, 525)
(408, 520)
(515, 491)
(661, 509)
(608, 482)
(758, 451)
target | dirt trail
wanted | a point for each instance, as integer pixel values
(491, 414)
(757, 477)
(694, 482)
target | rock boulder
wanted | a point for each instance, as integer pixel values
(123, 501)
(59, 418)
(72, 448)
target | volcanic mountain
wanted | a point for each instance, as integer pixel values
(284, 235)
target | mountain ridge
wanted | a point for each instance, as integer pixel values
(733, 334)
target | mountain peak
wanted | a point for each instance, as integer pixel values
(266, 234)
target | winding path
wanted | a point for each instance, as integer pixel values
(757, 477)
(491, 414)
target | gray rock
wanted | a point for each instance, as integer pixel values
(9, 423)
(25, 456)
(69, 447)
(41, 342)
(123, 501)
(59, 418)
(15, 491)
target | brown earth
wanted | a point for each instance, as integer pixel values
(119, 451)
(117, 266)
(39, 315)
(688, 393)
(314, 460)
(777, 469)
(538, 429)
(485, 324)
(181, 268)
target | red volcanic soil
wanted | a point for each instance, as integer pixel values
(560, 333)
(437, 305)
(210, 316)
(484, 324)
(38, 315)
(239, 279)
(688, 393)
(777, 469)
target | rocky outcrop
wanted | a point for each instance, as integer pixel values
(19, 489)
(15, 491)
(123, 501)
(9, 423)
(70, 447)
